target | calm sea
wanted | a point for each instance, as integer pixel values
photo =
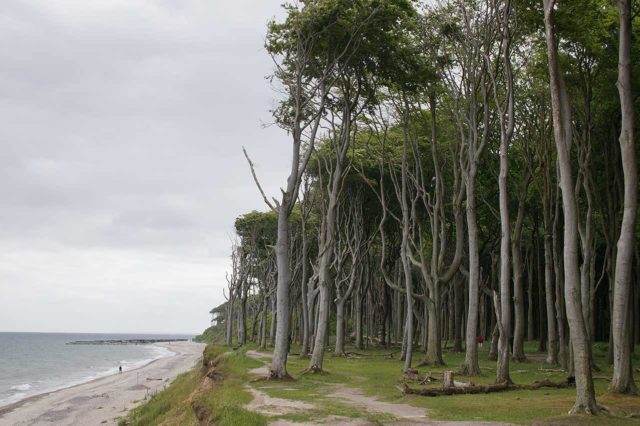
(34, 363)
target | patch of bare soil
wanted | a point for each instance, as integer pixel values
(330, 420)
(404, 413)
(355, 397)
(269, 406)
(260, 371)
(258, 355)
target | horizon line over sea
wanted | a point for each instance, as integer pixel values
(137, 333)
(34, 363)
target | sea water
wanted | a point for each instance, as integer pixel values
(35, 363)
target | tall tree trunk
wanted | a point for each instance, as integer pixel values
(242, 315)
(552, 339)
(281, 344)
(518, 291)
(459, 308)
(304, 350)
(622, 380)
(322, 324)
(229, 320)
(530, 320)
(471, 366)
(358, 318)
(274, 321)
(263, 322)
(506, 116)
(340, 327)
(562, 124)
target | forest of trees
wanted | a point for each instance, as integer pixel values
(461, 169)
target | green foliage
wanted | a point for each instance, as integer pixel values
(212, 335)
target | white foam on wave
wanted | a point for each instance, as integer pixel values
(13, 398)
(157, 352)
(23, 387)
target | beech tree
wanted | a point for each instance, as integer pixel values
(460, 171)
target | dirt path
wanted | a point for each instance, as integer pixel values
(355, 397)
(260, 371)
(269, 406)
(405, 414)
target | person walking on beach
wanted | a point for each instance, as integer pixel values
(119, 369)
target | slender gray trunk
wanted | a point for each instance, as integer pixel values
(562, 124)
(622, 380)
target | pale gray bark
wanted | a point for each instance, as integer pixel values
(506, 117)
(472, 90)
(561, 113)
(336, 169)
(552, 335)
(518, 286)
(274, 321)
(622, 380)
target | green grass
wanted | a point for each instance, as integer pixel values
(221, 402)
(378, 376)
(192, 398)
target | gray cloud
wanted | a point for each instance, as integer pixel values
(120, 146)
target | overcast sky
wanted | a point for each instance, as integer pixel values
(121, 169)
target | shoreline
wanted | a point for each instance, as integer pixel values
(38, 409)
(7, 408)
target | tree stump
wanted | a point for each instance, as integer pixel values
(447, 382)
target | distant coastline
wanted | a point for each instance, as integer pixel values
(35, 364)
(125, 341)
(17, 404)
(105, 398)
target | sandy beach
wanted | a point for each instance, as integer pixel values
(103, 400)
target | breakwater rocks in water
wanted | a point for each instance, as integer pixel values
(125, 341)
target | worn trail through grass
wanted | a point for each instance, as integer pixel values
(333, 403)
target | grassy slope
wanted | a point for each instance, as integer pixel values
(221, 402)
(194, 399)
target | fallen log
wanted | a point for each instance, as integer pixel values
(452, 390)
(476, 389)
(545, 384)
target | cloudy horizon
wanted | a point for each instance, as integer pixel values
(122, 169)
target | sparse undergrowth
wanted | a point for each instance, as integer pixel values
(216, 393)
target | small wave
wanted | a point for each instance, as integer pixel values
(12, 399)
(24, 387)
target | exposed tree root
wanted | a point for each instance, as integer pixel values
(285, 378)
(476, 389)
(591, 409)
(465, 370)
(314, 369)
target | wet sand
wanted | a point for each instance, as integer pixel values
(102, 401)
